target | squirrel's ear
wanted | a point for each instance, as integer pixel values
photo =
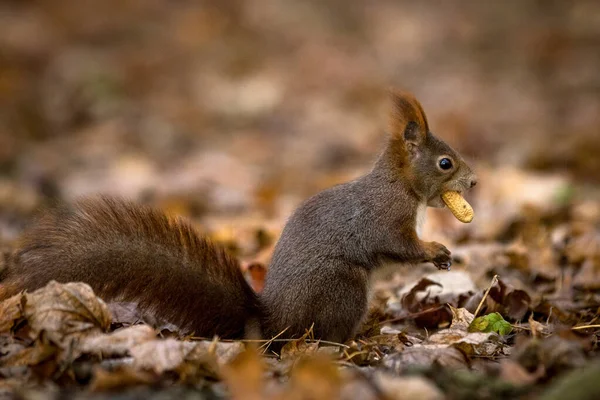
(407, 119)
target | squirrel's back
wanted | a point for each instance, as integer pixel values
(133, 253)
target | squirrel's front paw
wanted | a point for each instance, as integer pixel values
(439, 255)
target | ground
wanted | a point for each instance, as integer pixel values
(231, 113)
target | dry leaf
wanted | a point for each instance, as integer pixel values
(121, 378)
(425, 356)
(407, 387)
(315, 378)
(220, 352)
(117, 343)
(39, 352)
(170, 354)
(538, 329)
(244, 376)
(461, 318)
(298, 347)
(65, 312)
(11, 311)
(160, 355)
(514, 373)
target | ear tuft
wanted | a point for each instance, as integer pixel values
(407, 119)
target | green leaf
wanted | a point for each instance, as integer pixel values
(490, 323)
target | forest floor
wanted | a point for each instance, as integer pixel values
(231, 113)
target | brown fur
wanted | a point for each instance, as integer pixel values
(405, 109)
(128, 252)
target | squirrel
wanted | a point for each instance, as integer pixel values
(320, 269)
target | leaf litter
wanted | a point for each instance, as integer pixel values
(76, 107)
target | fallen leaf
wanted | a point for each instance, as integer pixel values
(425, 356)
(314, 377)
(221, 353)
(553, 353)
(39, 352)
(117, 343)
(437, 288)
(407, 387)
(511, 302)
(298, 347)
(461, 318)
(119, 379)
(160, 355)
(244, 376)
(65, 312)
(11, 311)
(491, 323)
(538, 329)
(512, 372)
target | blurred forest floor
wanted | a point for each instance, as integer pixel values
(233, 112)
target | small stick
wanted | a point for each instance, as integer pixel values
(273, 340)
(268, 342)
(494, 281)
(520, 327)
(575, 328)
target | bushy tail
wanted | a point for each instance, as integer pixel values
(133, 253)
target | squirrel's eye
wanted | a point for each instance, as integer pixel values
(445, 164)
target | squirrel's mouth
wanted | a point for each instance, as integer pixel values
(436, 202)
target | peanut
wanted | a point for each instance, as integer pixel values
(459, 206)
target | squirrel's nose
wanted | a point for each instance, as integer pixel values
(473, 182)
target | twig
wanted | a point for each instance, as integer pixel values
(356, 353)
(273, 340)
(494, 281)
(268, 342)
(576, 328)
(520, 327)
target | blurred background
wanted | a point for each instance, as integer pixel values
(234, 111)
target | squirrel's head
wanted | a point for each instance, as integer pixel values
(428, 163)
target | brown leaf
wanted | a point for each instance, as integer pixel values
(126, 313)
(33, 355)
(516, 304)
(433, 318)
(298, 347)
(538, 329)
(160, 355)
(510, 302)
(554, 353)
(170, 354)
(583, 246)
(461, 318)
(410, 301)
(65, 312)
(315, 378)
(426, 356)
(588, 276)
(220, 352)
(515, 374)
(11, 311)
(486, 344)
(119, 379)
(407, 387)
(244, 376)
(117, 343)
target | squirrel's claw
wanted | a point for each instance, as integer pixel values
(444, 265)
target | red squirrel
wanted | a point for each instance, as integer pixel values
(320, 270)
